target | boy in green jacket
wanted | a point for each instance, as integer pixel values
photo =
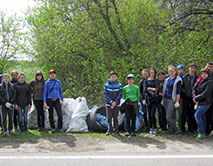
(131, 92)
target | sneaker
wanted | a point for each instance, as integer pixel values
(127, 134)
(154, 131)
(11, 133)
(117, 133)
(4, 134)
(160, 129)
(108, 132)
(53, 131)
(200, 136)
(60, 130)
(150, 131)
(133, 134)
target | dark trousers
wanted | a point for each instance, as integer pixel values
(145, 111)
(161, 115)
(188, 115)
(15, 118)
(112, 114)
(209, 120)
(40, 112)
(151, 111)
(57, 105)
(4, 112)
(130, 116)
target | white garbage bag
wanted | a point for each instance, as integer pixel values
(78, 119)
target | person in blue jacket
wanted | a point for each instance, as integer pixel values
(53, 98)
(113, 95)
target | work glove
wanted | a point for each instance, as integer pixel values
(177, 104)
(144, 102)
(8, 105)
(196, 105)
(162, 102)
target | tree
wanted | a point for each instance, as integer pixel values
(10, 36)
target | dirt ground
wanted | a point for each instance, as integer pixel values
(142, 143)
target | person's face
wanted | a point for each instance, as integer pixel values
(180, 71)
(39, 77)
(15, 76)
(152, 73)
(6, 79)
(113, 78)
(192, 70)
(52, 75)
(172, 72)
(145, 74)
(161, 77)
(204, 75)
(21, 79)
(209, 67)
(130, 80)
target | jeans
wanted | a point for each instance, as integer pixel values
(4, 112)
(40, 113)
(22, 111)
(201, 118)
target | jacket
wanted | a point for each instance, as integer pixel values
(11, 93)
(187, 86)
(202, 92)
(23, 94)
(112, 92)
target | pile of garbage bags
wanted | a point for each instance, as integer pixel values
(77, 117)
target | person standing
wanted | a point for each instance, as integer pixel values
(202, 96)
(171, 97)
(113, 95)
(14, 75)
(23, 100)
(131, 92)
(160, 108)
(53, 98)
(145, 75)
(7, 99)
(37, 89)
(150, 90)
(188, 105)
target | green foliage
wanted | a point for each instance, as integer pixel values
(84, 40)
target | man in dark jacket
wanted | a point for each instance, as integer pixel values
(188, 105)
(113, 95)
(7, 99)
(14, 75)
(209, 112)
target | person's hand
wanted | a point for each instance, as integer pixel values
(8, 105)
(194, 100)
(16, 107)
(29, 106)
(45, 106)
(113, 105)
(144, 102)
(160, 94)
(62, 103)
(162, 102)
(177, 104)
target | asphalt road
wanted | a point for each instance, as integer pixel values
(88, 159)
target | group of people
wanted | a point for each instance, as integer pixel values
(189, 95)
(16, 99)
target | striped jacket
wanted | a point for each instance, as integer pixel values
(112, 92)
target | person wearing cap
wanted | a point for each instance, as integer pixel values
(113, 95)
(53, 98)
(23, 100)
(7, 99)
(188, 111)
(37, 90)
(171, 98)
(180, 69)
(202, 96)
(131, 92)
